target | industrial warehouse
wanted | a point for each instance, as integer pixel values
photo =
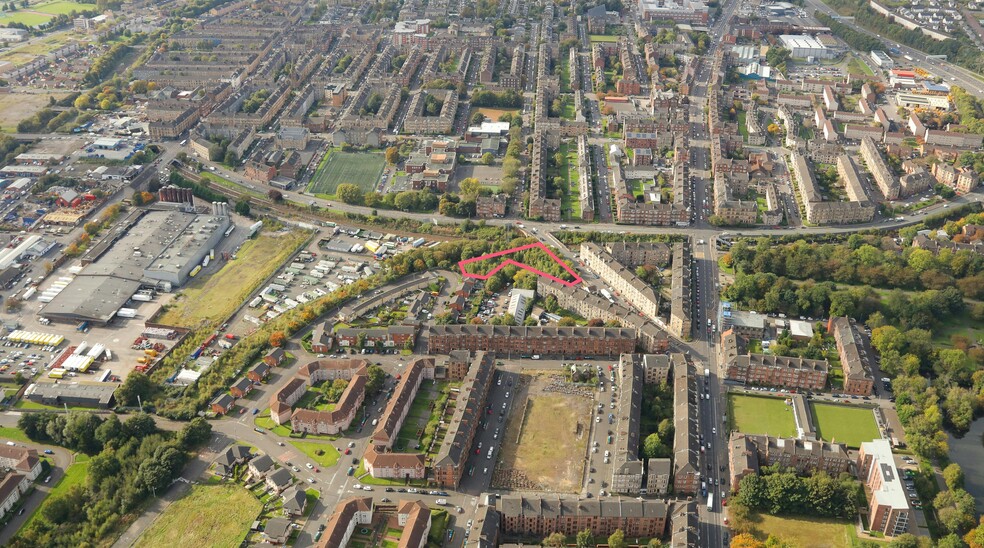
(146, 247)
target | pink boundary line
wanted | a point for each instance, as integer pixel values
(540, 245)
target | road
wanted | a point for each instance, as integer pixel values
(953, 74)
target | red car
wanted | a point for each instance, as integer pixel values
(348, 451)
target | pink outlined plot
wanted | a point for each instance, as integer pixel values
(540, 245)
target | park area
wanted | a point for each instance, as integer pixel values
(844, 424)
(208, 515)
(362, 169)
(546, 436)
(38, 14)
(761, 415)
(213, 298)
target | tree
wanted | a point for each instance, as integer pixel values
(905, 540)
(488, 158)
(376, 379)
(585, 539)
(975, 537)
(275, 195)
(195, 433)
(277, 339)
(477, 119)
(653, 447)
(746, 540)
(953, 476)
(136, 388)
(349, 193)
(470, 187)
(617, 539)
(555, 539)
(242, 207)
(139, 425)
(392, 155)
(567, 322)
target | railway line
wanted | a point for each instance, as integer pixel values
(285, 211)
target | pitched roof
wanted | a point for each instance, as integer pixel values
(294, 499)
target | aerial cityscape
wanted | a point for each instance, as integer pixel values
(481, 273)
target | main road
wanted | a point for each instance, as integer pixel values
(951, 73)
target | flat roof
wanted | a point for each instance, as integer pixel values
(890, 493)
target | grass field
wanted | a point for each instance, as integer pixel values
(37, 14)
(215, 297)
(15, 107)
(213, 515)
(74, 475)
(761, 415)
(362, 169)
(806, 532)
(13, 434)
(848, 425)
(330, 458)
(602, 38)
(550, 450)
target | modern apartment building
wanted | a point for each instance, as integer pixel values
(888, 509)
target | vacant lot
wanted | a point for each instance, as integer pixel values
(215, 298)
(545, 439)
(492, 114)
(361, 169)
(209, 515)
(761, 415)
(15, 107)
(805, 532)
(848, 425)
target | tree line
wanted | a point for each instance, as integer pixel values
(131, 461)
(870, 260)
(777, 492)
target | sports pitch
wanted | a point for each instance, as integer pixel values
(761, 415)
(851, 426)
(362, 169)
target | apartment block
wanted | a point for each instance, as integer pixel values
(681, 292)
(858, 380)
(449, 464)
(532, 516)
(780, 371)
(888, 508)
(858, 209)
(526, 341)
(686, 449)
(872, 157)
(622, 280)
(748, 453)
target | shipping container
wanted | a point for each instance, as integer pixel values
(194, 272)
(419, 242)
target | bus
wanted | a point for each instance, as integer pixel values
(710, 502)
